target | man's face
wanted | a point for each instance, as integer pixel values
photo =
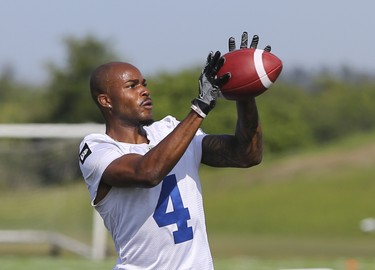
(130, 98)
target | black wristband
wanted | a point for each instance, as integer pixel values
(204, 107)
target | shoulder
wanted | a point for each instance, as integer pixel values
(162, 127)
(168, 122)
(97, 138)
(94, 140)
(97, 145)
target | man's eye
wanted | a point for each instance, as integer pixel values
(144, 84)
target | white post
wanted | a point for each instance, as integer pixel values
(99, 233)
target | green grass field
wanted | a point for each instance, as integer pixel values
(296, 211)
(240, 263)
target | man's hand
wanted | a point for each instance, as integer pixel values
(209, 85)
(244, 41)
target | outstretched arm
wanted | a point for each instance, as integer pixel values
(244, 149)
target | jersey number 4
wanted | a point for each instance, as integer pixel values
(179, 215)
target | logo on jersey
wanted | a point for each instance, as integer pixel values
(85, 152)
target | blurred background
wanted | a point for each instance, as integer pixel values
(309, 204)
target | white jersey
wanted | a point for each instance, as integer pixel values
(153, 228)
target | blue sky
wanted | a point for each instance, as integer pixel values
(170, 35)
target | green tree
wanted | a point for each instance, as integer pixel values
(19, 102)
(69, 97)
(339, 108)
(282, 115)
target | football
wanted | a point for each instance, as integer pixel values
(252, 71)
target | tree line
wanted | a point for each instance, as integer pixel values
(299, 110)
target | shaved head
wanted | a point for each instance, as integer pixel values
(104, 76)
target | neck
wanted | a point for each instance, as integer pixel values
(128, 134)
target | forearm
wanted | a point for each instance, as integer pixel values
(248, 132)
(244, 148)
(161, 159)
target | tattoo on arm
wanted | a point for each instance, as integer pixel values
(215, 150)
(242, 150)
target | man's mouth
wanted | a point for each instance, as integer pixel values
(147, 103)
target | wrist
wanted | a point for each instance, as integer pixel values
(198, 111)
(202, 106)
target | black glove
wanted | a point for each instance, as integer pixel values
(244, 41)
(209, 85)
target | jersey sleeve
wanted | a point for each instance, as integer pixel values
(94, 158)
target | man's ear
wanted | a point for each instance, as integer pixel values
(104, 101)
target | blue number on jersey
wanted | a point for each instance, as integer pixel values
(179, 216)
